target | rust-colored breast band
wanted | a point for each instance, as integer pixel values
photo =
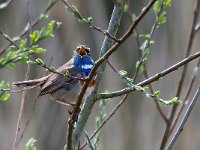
(92, 83)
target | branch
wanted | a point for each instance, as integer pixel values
(185, 100)
(24, 92)
(87, 107)
(27, 27)
(87, 21)
(112, 50)
(180, 85)
(116, 108)
(185, 117)
(5, 4)
(129, 13)
(107, 119)
(149, 80)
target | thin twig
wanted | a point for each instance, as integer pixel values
(187, 95)
(5, 4)
(8, 38)
(112, 29)
(80, 17)
(21, 111)
(24, 92)
(27, 27)
(129, 13)
(107, 119)
(151, 79)
(31, 112)
(182, 78)
(79, 127)
(184, 120)
(125, 91)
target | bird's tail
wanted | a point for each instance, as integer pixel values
(31, 83)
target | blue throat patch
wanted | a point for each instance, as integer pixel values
(84, 64)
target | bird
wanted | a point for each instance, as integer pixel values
(66, 88)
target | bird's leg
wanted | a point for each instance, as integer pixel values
(66, 106)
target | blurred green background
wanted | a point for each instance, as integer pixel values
(137, 124)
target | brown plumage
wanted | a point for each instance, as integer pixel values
(61, 87)
(58, 86)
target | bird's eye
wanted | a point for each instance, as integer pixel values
(87, 50)
(82, 50)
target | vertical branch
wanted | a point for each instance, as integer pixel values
(28, 26)
(185, 117)
(185, 100)
(24, 92)
(129, 13)
(88, 105)
(180, 85)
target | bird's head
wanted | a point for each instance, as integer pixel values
(83, 60)
(82, 51)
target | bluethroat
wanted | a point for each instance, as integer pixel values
(64, 88)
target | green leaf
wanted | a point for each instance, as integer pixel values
(167, 3)
(90, 19)
(67, 74)
(30, 145)
(44, 16)
(162, 18)
(4, 97)
(156, 7)
(129, 79)
(51, 25)
(10, 65)
(39, 61)
(75, 9)
(122, 73)
(53, 69)
(3, 94)
(2, 61)
(139, 67)
(97, 121)
(11, 55)
(30, 62)
(4, 85)
(147, 36)
(42, 32)
(13, 47)
(58, 24)
(138, 88)
(40, 51)
(23, 44)
(146, 53)
(152, 42)
(126, 7)
(34, 37)
(175, 100)
(144, 45)
(156, 94)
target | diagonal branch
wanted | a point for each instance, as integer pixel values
(182, 78)
(141, 62)
(27, 27)
(112, 29)
(185, 117)
(5, 4)
(88, 105)
(151, 79)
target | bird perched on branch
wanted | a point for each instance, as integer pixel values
(66, 88)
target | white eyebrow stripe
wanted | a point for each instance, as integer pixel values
(87, 66)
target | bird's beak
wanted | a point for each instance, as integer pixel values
(82, 52)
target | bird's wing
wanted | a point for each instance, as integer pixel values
(57, 81)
